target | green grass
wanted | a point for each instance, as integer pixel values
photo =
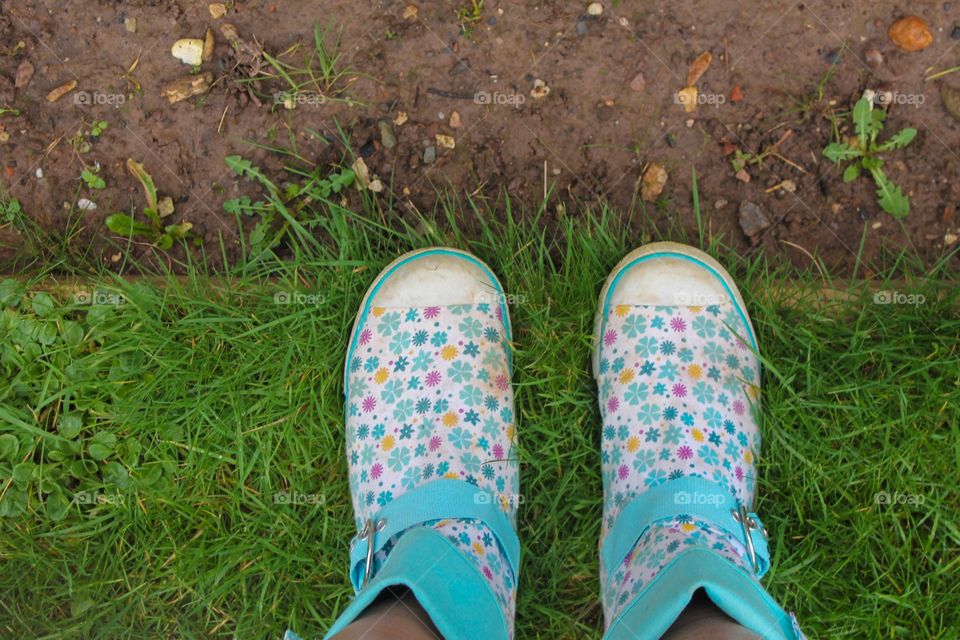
(234, 400)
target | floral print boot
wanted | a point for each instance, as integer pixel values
(679, 384)
(430, 437)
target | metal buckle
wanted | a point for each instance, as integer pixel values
(749, 524)
(369, 532)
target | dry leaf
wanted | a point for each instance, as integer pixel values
(187, 87)
(24, 75)
(61, 91)
(209, 42)
(698, 67)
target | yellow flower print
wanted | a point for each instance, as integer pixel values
(478, 548)
(748, 456)
(449, 352)
(626, 376)
(695, 371)
(387, 443)
(697, 435)
(378, 311)
(381, 375)
(450, 419)
(621, 310)
(633, 444)
(687, 527)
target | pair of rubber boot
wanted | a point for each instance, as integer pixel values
(431, 437)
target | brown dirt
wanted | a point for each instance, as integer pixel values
(589, 138)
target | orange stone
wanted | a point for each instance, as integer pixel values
(910, 33)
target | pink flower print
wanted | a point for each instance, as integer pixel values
(623, 472)
(741, 344)
(376, 471)
(499, 313)
(433, 378)
(502, 382)
(609, 337)
(435, 443)
(738, 472)
(431, 312)
(369, 404)
(738, 407)
(488, 573)
(685, 452)
(497, 452)
(365, 336)
(679, 391)
(613, 404)
(678, 325)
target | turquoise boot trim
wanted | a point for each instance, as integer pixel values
(446, 584)
(737, 592)
(443, 499)
(692, 496)
(733, 590)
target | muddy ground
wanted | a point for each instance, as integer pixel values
(610, 111)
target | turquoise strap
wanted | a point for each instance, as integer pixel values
(699, 498)
(441, 499)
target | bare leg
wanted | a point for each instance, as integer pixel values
(396, 615)
(703, 620)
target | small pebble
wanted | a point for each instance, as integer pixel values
(86, 205)
(429, 155)
(753, 220)
(873, 58)
(720, 204)
(595, 9)
(581, 28)
(638, 83)
(130, 24)
(39, 173)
